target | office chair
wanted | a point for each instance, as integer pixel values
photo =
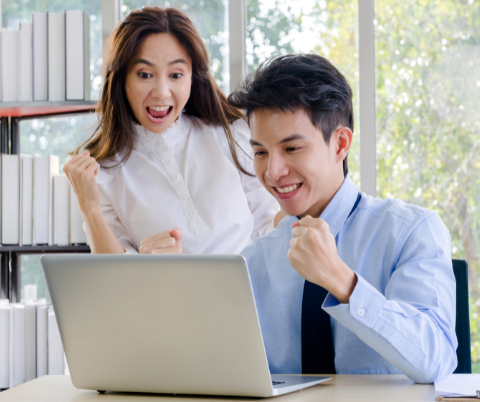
(462, 323)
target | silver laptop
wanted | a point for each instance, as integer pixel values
(162, 324)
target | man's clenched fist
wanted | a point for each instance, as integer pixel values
(313, 253)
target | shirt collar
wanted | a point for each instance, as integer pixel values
(338, 209)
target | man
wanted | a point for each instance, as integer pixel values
(347, 283)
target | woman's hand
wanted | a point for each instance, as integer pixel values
(167, 242)
(81, 171)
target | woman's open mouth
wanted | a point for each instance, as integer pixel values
(159, 114)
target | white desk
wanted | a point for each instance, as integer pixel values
(368, 388)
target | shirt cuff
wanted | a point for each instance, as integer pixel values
(365, 304)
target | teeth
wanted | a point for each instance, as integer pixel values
(159, 108)
(286, 189)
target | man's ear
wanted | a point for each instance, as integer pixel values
(343, 136)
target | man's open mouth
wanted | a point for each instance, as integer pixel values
(159, 112)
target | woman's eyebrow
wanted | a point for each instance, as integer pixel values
(143, 61)
(177, 61)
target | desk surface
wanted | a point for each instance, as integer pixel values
(371, 388)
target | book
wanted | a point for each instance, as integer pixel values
(56, 363)
(26, 199)
(17, 344)
(31, 337)
(25, 62)
(30, 341)
(40, 56)
(77, 234)
(10, 193)
(44, 168)
(77, 45)
(4, 343)
(56, 56)
(42, 340)
(10, 66)
(61, 193)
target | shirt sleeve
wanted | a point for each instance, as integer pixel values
(262, 204)
(112, 218)
(413, 325)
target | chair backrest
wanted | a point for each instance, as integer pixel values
(462, 323)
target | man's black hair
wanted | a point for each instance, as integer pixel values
(300, 81)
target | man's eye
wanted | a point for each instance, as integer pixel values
(176, 76)
(291, 149)
(259, 153)
(144, 75)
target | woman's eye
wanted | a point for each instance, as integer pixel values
(176, 76)
(291, 149)
(259, 153)
(144, 75)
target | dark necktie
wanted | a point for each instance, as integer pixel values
(318, 355)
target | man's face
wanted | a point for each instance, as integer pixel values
(293, 161)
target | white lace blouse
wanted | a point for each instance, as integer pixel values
(185, 177)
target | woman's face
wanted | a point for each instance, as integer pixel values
(158, 83)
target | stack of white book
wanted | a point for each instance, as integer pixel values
(47, 59)
(38, 206)
(30, 343)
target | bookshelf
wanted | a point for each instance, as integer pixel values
(11, 114)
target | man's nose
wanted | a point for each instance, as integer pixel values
(161, 90)
(277, 168)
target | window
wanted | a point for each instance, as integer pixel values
(327, 28)
(427, 123)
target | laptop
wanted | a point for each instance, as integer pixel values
(162, 324)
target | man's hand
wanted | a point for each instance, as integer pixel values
(313, 253)
(167, 242)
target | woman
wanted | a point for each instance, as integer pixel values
(168, 168)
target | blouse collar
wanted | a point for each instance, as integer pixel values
(142, 132)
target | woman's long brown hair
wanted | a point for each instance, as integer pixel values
(114, 134)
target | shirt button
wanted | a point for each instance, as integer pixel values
(192, 213)
(175, 176)
(168, 161)
(161, 142)
(185, 195)
(361, 312)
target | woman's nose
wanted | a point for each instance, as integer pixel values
(161, 89)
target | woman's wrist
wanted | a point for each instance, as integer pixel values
(91, 213)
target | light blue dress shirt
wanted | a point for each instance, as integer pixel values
(401, 314)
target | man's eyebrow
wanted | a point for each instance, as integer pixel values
(292, 137)
(177, 61)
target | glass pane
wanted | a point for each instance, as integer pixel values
(14, 12)
(428, 91)
(31, 275)
(327, 28)
(56, 136)
(211, 19)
